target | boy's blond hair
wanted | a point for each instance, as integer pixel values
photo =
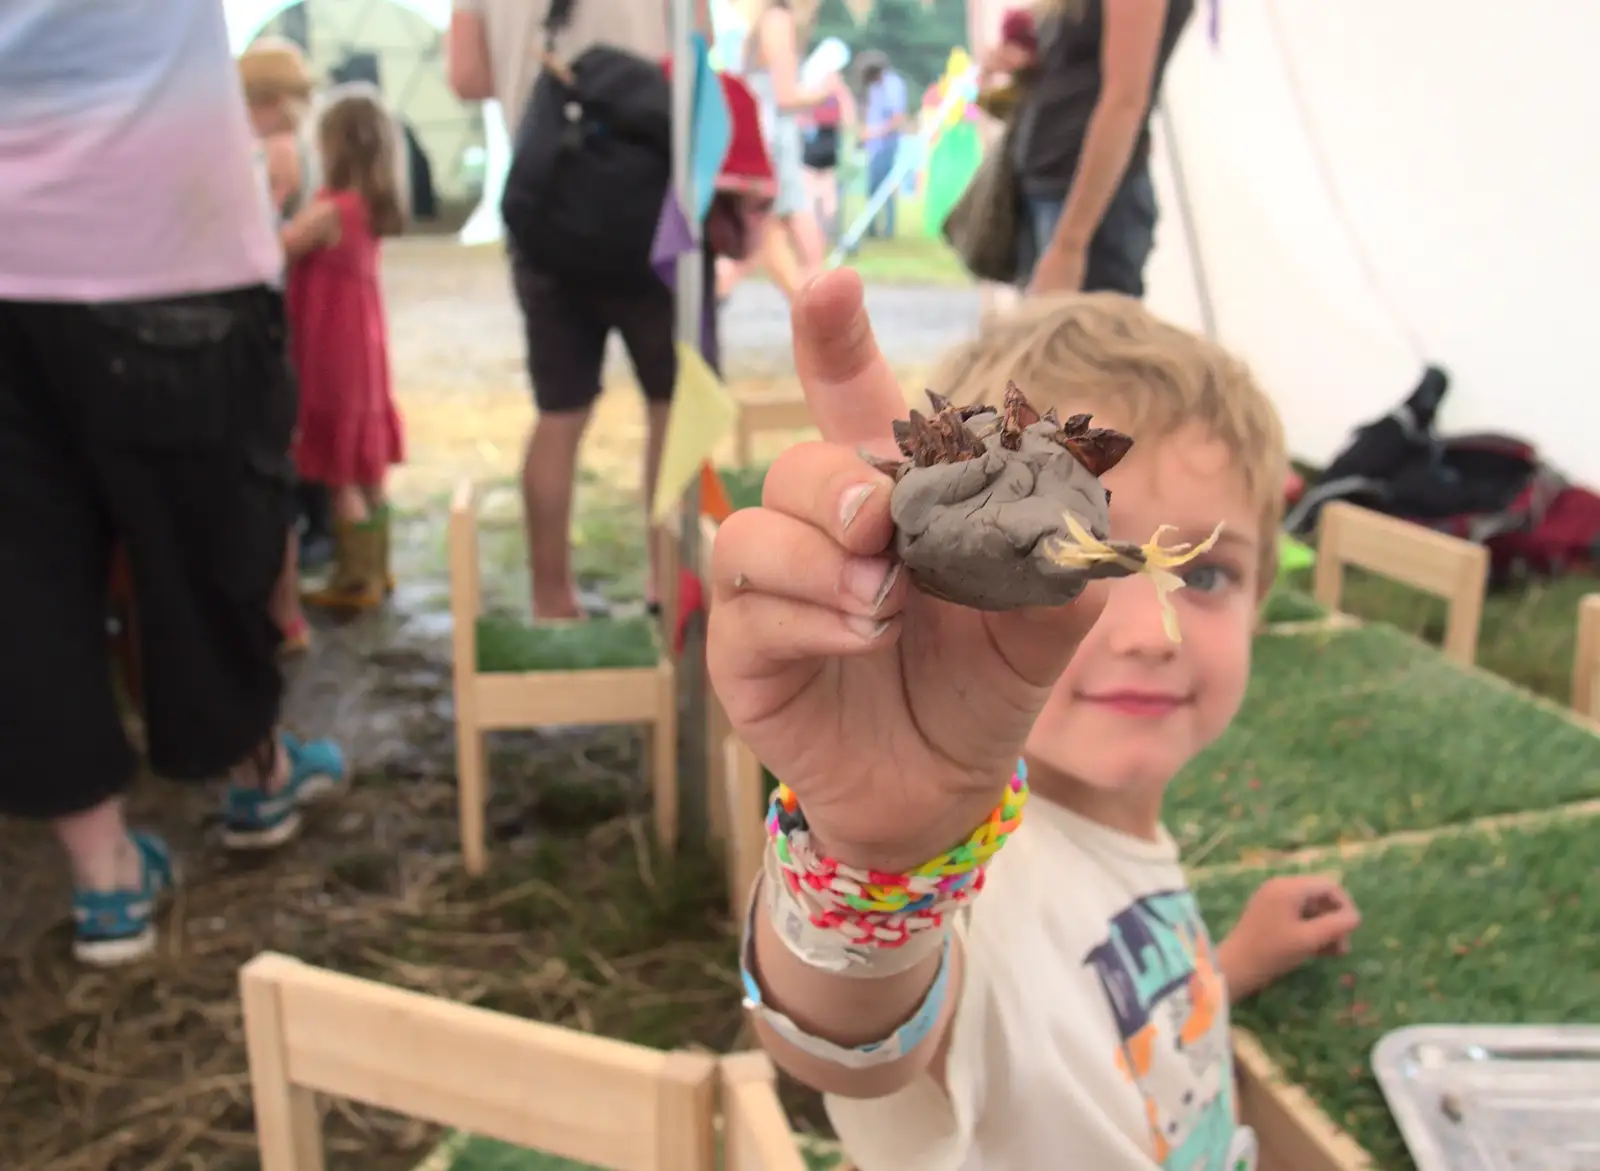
(273, 70)
(1088, 350)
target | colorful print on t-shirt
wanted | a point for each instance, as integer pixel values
(1158, 970)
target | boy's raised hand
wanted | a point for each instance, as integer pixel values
(895, 718)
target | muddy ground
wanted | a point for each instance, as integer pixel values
(579, 922)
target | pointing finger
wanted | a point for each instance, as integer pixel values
(851, 391)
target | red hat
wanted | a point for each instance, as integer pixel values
(747, 166)
(1017, 28)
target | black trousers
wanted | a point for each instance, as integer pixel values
(164, 425)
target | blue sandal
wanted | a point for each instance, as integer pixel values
(116, 927)
(256, 820)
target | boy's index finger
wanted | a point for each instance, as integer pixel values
(850, 390)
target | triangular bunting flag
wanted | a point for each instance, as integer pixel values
(703, 415)
(714, 501)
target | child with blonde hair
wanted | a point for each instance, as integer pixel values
(1058, 1003)
(349, 434)
(278, 85)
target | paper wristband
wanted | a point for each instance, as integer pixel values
(828, 949)
(902, 1041)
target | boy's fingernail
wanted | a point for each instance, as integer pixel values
(888, 584)
(853, 500)
(865, 579)
(870, 629)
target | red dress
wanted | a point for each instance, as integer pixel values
(349, 429)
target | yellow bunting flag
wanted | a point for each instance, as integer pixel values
(703, 415)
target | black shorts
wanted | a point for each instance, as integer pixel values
(566, 330)
(163, 425)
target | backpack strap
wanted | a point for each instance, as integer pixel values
(556, 21)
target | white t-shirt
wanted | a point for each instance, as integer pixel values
(515, 32)
(125, 154)
(1092, 1033)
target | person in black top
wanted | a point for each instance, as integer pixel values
(1082, 139)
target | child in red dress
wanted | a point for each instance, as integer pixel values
(350, 432)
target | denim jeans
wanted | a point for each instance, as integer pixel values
(880, 165)
(1121, 245)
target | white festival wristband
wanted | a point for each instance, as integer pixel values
(902, 1041)
(829, 950)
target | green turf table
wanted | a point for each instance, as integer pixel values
(1479, 926)
(1358, 733)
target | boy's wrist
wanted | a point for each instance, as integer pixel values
(1240, 971)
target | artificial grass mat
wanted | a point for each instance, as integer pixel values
(1352, 734)
(510, 644)
(1287, 604)
(743, 485)
(1481, 927)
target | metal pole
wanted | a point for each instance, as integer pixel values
(1186, 217)
(693, 815)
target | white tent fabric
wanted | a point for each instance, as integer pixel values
(1371, 186)
(246, 19)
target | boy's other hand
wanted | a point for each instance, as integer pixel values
(895, 718)
(1289, 920)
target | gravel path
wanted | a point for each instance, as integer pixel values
(457, 350)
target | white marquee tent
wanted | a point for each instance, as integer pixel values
(1353, 190)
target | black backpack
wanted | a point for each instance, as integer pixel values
(591, 166)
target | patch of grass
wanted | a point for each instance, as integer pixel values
(510, 644)
(1355, 734)
(1287, 604)
(1486, 928)
(908, 260)
(1526, 636)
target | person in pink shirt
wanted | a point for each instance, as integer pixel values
(145, 399)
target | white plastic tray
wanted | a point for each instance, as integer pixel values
(1495, 1098)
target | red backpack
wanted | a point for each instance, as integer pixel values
(1490, 489)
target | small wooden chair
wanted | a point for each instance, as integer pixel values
(761, 413)
(756, 1135)
(1434, 563)
(1586, 663)
(606, 1103)
(745, 789)
(489, 701)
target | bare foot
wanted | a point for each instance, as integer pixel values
(562, 609)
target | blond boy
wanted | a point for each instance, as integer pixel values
(278, 86)
(1077, 1016)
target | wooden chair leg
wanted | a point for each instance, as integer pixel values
(472, 797)
(664, 762)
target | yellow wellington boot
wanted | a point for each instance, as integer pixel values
(357, 581)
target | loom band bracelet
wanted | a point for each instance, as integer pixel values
(893, 1047)
(870, 890)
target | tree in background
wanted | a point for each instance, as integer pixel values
(916, 35)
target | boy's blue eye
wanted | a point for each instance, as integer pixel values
(1209, 579)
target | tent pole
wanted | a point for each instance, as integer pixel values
(1191, 231)
(693, 759)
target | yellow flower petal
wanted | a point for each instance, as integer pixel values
(1085, 549)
